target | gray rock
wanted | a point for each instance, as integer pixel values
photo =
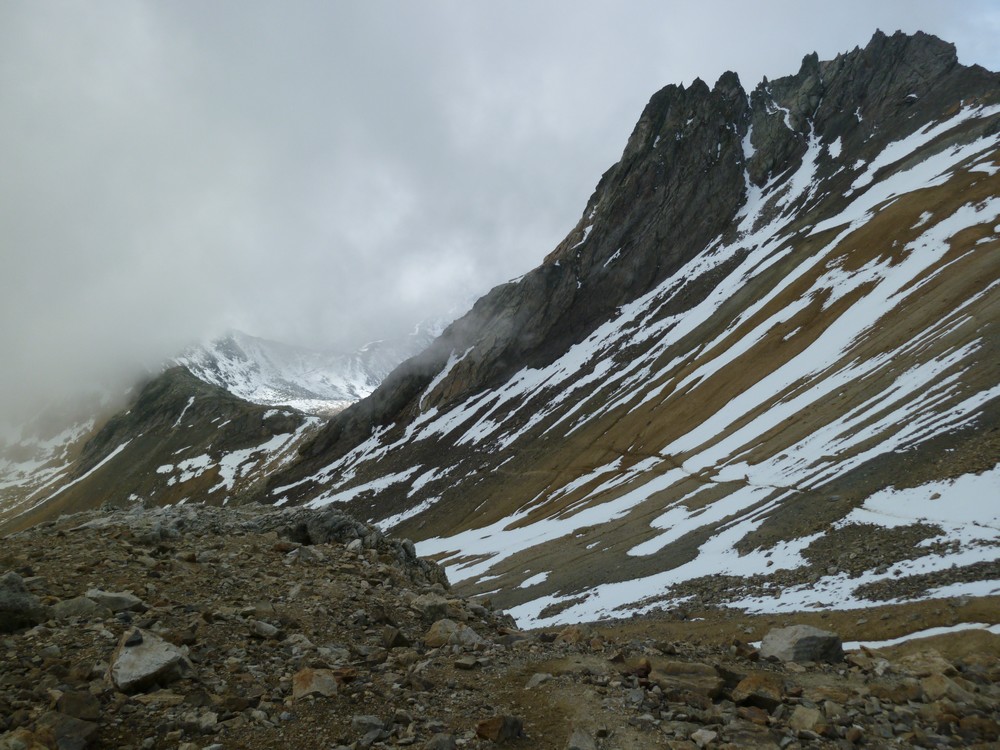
(143, 659)
(70, 733)
(18, 607)
(78, 606)
(440, 741)
(263, 629)
(450, 633)
(581, 740)
(117, 601)
(801, 643)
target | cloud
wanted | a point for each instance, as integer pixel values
(327, 173)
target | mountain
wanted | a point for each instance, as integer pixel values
(761, 370)
(179, 440)
(195, 432)
(312, 381)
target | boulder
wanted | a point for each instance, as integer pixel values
(802, 643)
(450, 633)
(309, 681)
(678, 678)
(500, 728)
(581, 740)
(18, 607)
(762, 689)
(117, 601)
(78, 606)
(143, 659)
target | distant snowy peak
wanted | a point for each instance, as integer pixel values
(310, 380)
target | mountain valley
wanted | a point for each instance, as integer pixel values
(756, 386)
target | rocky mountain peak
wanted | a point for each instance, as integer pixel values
(774, 310)
(685, 174)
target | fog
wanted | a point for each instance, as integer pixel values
(324, 173)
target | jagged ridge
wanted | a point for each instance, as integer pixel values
(815, 256)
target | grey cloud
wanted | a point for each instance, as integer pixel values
(328, 173)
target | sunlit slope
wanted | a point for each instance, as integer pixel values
(760, 376)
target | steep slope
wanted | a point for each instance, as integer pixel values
(775, 308)
(179, 440)
(312, 381)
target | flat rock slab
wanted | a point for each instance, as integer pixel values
(313, 682)
(143, 659)
(117, 601)
(802, 643)
(678, 677)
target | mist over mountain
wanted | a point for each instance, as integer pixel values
(759, 372)
(316, 382)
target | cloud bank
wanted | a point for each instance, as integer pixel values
(329, 173)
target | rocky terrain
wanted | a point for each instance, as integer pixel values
(260, 628)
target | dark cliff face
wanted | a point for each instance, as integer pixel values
(683, 178)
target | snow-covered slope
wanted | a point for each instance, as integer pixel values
(315, 382)
(763, 369)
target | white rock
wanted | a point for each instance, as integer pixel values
(143, 659)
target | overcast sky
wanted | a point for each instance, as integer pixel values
(327, 173)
